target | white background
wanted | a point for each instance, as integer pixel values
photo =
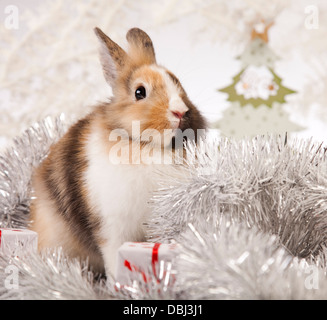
(204, 65)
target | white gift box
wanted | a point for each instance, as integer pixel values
(136, 260)
(17, 241)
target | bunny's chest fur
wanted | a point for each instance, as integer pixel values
(119, 193)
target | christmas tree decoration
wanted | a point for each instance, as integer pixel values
(256, 94)
(237, 21)
(238, 121)
(257, 83)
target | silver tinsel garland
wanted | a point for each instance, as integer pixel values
(16, 168)
(250, 217)
(278, 187)
(236, 262)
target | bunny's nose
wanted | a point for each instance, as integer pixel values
(178, 114)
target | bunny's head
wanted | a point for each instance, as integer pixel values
(144, 91)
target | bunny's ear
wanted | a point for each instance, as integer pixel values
(141, 47)
(112, 57)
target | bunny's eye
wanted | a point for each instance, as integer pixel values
(140, 93)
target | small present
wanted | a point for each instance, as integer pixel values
(15, 242)
(144, 260)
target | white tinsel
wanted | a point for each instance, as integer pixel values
(250, 218)
(16, 167)
(51, 275)
(233, 261)
(268, 183)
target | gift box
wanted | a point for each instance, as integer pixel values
(17, 241)
(144, 260)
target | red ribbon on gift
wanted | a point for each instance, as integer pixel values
(154, 261)
(155, 258)
(131, 267)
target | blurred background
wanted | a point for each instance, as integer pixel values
(251, 66)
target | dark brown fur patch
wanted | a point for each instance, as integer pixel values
(192, 118)
(63, 176)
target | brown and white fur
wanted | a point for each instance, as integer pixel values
(84, 202)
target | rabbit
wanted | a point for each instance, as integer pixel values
(87, 203)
